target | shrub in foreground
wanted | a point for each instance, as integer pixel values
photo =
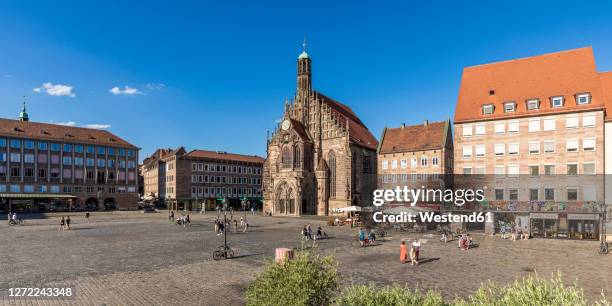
(307, 279)
(369, 295)
(531, 290)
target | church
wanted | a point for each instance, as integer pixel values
(320, 157)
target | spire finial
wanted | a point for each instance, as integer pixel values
(23, 115)
(304, 44)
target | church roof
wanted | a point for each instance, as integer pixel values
(225, 156)
(303, 55)
(430, 136)
(358, 132)
(299, 128)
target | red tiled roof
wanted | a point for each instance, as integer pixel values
(225, 156)
(414, 138)
(606, 88)
(358, 132)
(564, 73)
(56, 132)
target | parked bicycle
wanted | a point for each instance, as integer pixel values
(13, 222)
(604, 248)
(223, 253)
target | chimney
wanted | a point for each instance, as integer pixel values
(426, 122)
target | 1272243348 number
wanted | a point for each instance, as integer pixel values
(41, 292)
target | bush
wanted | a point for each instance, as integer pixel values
(530, 290)
(393, 295)
(307, 279)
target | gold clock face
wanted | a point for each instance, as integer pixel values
(285, 125)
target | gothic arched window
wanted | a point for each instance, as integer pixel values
(286, 157)
(297, 158)
(331, 163)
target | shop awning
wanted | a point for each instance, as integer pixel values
(36, 196)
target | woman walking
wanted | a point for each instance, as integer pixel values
(403, 252)
(62, 222)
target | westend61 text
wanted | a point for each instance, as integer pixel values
(432, 217)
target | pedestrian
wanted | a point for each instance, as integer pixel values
(241, 221)
(416, 245)
(62, 222)
(10, 216)
(217, 226)
(188, 220)
(246, 227)
(68, 222)
(87, 216)
(403, 252)
(362, 238)
(252, 210)
(236, 225)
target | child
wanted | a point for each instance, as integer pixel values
(403, 252)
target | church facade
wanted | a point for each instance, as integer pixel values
(321, 156)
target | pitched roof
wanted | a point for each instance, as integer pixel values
(56, 132)
(564, 73)
(420, 137)
(299, 129)
(225, 156)
(606, 88)
(358, 132)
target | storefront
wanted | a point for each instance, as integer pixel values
(23, 202)
(564, 225)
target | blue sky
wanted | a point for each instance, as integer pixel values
(214, 75)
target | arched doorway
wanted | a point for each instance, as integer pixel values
(285, 200)
(110, 204)
(309, 204)
(91, 204)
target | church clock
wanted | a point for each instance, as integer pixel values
(285, 125)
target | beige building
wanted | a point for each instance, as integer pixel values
(191, 180)
(321, 156)
(416, 156)
(533, 130)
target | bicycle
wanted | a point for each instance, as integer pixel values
(223, 253)
(17, 222)
(604, 248)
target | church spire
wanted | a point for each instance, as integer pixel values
(304, 71)
(23, 115)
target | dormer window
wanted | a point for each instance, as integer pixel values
(509, 107)
(583, 98)
(557, 101)
(487, 109)
(533, 104)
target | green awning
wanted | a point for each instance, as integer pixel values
(36, 196)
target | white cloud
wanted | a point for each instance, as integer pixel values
(97, 126)
(127, 90)
(55, 90)
(155, 86)
(67, 123)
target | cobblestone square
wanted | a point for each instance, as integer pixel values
(132, 258)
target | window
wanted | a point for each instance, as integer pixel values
(55, 147)
(499, 171)
(331, 162)
(571, 121)
(55, 189)
(534, 194)
(499, 149)
(42, 188)
(467, 151)
(90, 162)
(101, 150)
(78, 161)
(509, 107)
(588, 120)
(583, 98)
(434, 161)
(423, 161)
(513, 148)
(572, 194)
(67, 173)
(15, 157)
(394, 164)
(534, 125)
(549, 170)
(42, 158)
(28, 172)
(28, 158)
(534, 147)
(549, 124)
(15, 143)
(101, 163)
(90, 149)
(499, 194)
(2, 157)
(67, 147)
(487, 109)
(42, 146)
(513, 170)
(385, 164)
(121, 152)
(467, 130)
(588, 144)
(78, 148)
(533, 104)
(29, 144)
(404, 163)
(549, 146)
(557, 101)
(67, 161)
(480, 150)
(111, 151)
(479, 171)
(571, 145)
(54, 173)
(2, 142)
(500, 127)
(130, 153)
(513, 194)
(534, 170)
(572, 169)
(588, 168)
(549, 194)
(15, 188)
(513, 127)
(480, 129)
(467, 170)
(15, 171)
(413, 162)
